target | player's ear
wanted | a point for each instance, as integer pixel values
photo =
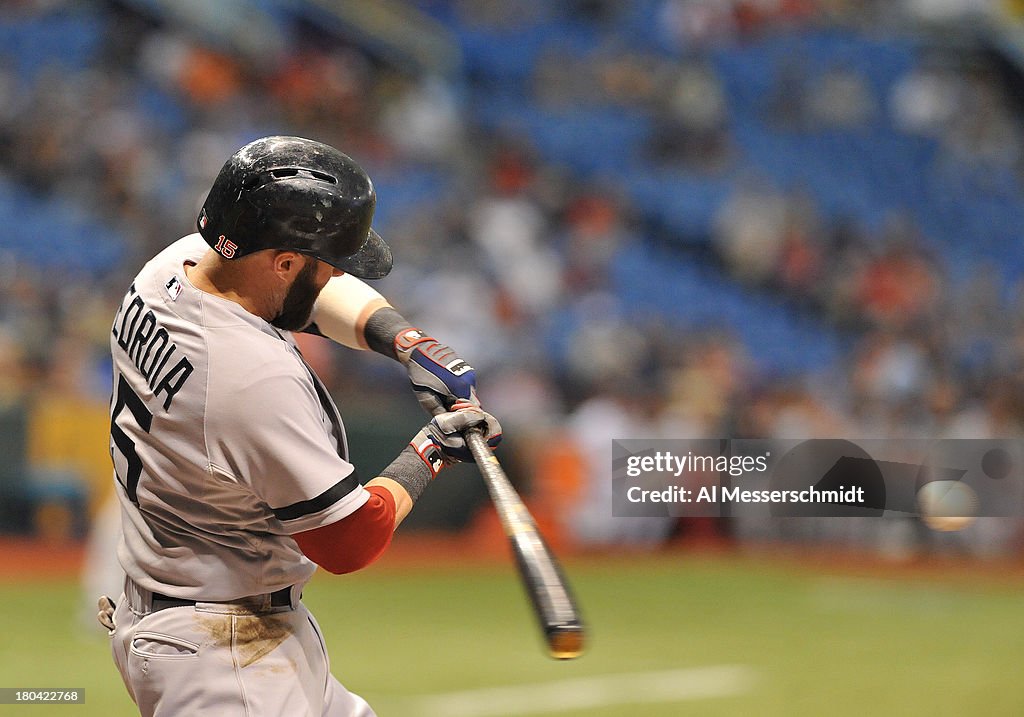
(287, 263)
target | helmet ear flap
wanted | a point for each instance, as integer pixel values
(297, 194)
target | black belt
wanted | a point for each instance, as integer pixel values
(159, 601)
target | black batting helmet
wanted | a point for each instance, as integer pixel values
(294, 193)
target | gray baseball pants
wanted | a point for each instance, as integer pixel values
(244, 659)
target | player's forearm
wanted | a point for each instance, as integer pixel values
(343, 309)
(381, 332)
(409, 474)
(351, 313)
(354, 314)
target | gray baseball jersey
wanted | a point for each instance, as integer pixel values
(224, 441)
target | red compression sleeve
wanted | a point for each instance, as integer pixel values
(356, 540)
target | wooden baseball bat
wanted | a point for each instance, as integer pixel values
(545, 584)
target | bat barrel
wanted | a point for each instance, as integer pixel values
(542, 577)
(565, 642)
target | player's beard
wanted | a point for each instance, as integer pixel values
(297, 309)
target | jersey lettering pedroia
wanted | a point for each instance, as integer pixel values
(224, 441)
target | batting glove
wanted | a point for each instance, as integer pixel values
(439, 376)
(441, 442)
(106, 613)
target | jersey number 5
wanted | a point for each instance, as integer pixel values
(125, 397)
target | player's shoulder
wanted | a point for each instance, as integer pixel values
(190, 248)
(162, 279)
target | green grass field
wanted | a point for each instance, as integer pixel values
(669, 636)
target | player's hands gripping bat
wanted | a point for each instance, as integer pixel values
(442, 441)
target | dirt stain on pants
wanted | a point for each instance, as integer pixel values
(253, 637)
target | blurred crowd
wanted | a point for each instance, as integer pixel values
(514, 243)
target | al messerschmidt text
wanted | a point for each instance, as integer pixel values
(711, 494)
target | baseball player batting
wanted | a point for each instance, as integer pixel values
(230, 457)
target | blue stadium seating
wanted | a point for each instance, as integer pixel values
(64, 38)
(864, 174)
(53, 233)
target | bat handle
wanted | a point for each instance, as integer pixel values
(497, 483)
(477, 444)
(512, 510)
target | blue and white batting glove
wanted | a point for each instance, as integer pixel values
(439, 376)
